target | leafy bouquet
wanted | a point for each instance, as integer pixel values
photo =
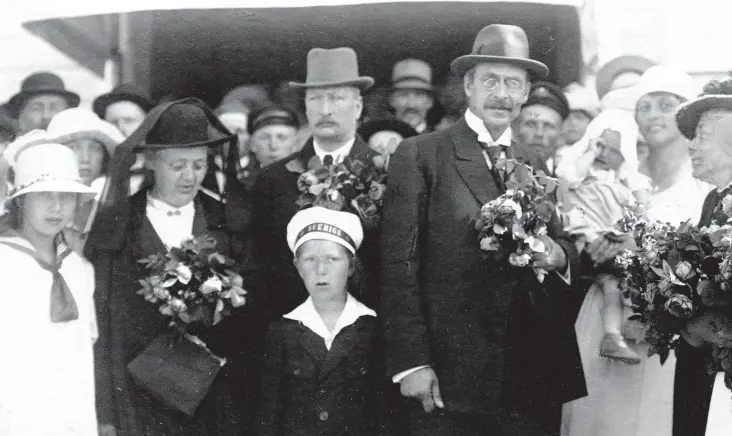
(512, 222)
(196, 288)
(352, 185)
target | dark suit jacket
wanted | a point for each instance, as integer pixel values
(693, 384)
(499, 341)
(310, 390)
(275, 195)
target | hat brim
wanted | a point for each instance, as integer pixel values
(463, 64)
(363, 83)
(87, 192)
(413, 84)
(97, 135)
(208, 143)
(103, 101)
(689, 113)
(610, 70)
(18, 100)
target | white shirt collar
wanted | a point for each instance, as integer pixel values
(173, 225)
(309, 317)
(338, 154)
(476, 125)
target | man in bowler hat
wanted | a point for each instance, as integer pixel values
(411, 95)
(124, 107)
(42, 95)
(480, 347)
(333, 105)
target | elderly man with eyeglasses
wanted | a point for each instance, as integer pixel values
(478, 346)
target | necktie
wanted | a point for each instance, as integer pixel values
(498, 169)
(174, 213)
(328, 160)
(63, 305)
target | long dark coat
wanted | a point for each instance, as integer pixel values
(275, 196)
(309, 390)
(128, 324)
(500, 342)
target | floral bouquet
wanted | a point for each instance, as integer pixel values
(194, 286)
(512, 222)
(352, 186)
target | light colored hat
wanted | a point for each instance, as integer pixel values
(77, 123)
(41, 165)
(335, 67)
(320, 223)
(662, 78)
(582, 99)
(412, 74)
(622, 64)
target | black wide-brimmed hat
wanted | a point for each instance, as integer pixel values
(123, 92)
(37, 84)
(549, 95)
(689, 113)
(500, 43)
(370, 128)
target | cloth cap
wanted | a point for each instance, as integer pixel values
(41, 165)
(78, 123)
(271, 115)
(320, 223)
(549, 95)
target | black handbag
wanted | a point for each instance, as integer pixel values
(178, 370)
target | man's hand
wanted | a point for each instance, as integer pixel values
(606, 248)
(553, 258)
(423, 386)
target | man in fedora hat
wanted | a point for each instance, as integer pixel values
(411, 95)
(42, 95)
(333, 105)
(539, 124)
(481, 348)
(125, 107)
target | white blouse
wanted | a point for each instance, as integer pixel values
(682, 201)
(173, 225)
(46, 369)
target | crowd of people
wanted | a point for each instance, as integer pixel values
(403, 329)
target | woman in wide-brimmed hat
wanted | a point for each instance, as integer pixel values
(175, 138)
(48, 310)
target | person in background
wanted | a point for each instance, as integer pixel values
(124, 107)
(334, 379)
(333, 104)
(677, 196)
(621, 72)
(411, 96)
(383, 136)
(234, 110)
(539, 124)
(42, 95)
(48, 305)
(583, 107)
(273, 133)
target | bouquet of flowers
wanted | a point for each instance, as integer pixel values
(195, 286)
(512, 222)
(352, 186)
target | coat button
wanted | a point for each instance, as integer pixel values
(296, 372)
(323, 390)
(323, 416)
(363, 370)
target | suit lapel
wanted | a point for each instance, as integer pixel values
(299, 164)
(471, 164)
(710, 203)
(342, 346)
(361, 150)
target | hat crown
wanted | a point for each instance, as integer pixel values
(41, 81)
(411, 69)
(77, 120)
(182, 123)
(334, 65)
(501, 40)
(317, 222)
(662, 78)
(36, 158)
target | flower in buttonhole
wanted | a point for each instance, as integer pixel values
(212, 284)
(684, 270)
(519, 259)
(680, 306)
(490, 243)
(184, 273)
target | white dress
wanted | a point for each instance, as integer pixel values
(46, 369)
(682, 201)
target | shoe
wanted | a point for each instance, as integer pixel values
(614, 347)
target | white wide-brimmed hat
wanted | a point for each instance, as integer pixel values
(320, 223)
(41, 165)
(77, 123)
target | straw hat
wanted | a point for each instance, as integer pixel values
(42, 165)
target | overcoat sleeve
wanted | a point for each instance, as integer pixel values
(405, 329)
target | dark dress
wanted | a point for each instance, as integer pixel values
(309, 390)
(128, 324)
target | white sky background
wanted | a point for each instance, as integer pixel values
(694, 35)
